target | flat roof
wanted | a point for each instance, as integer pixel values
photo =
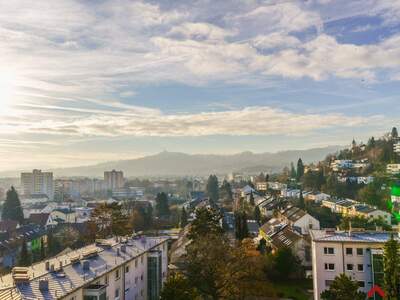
(357, 237)
(73, 276)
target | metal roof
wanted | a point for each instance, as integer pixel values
(345, 236)
(72, 276)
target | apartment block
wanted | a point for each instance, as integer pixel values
(36, 183)
(356, 254)
(119, 269)
(114, 179)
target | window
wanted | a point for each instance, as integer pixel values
(106, 280)
(135, 280)
(329, 251)
(360, 268)
(328, 283)
(361, 284)
(360, 251)
(330, 267)
(141, 277)
(349, 267)
(349, 251)
(116, 293)
(135, 263)
(141, 293)
(117, 275)
(126, 269)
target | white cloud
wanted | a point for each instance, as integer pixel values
(200, 31)
(247, 121)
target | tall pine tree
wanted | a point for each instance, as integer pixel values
(212, 189)
(300, 169)
(12, 209)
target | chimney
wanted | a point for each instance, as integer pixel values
(43, 285)
(86, 265)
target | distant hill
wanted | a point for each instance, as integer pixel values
(178, 164)
(174, 163)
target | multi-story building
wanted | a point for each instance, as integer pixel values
(393, 168)
(133, 269)
(356, 254)
(114, 179)
(396, 147)
(37, 182)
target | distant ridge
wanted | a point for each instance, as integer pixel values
(179, 164)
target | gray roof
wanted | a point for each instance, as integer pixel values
(343, 236)
(73, 276)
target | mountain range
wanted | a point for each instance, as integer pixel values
(180, 164)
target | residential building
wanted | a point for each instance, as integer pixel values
(356, 254)
(393, 169)
(64, 215)
(396, 147)
(316, 197)
(369, 212)
(262, 186)
(134, 268)
(299, 220)
(128, 193)
(37, 182)
(340, 206)
(114, 179)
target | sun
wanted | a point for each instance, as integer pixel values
(7, 90)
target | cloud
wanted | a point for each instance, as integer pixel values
(261, 120)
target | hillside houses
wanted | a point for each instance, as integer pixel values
(352, 208)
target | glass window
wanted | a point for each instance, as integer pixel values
(361, 283)
(329, 250)
(349, 267)
(116, 293)
(360, 268)
(106, 280)
(135, 263)
(127, 269)
(117, 274)
(328, 283)
(360, 251)
(349, 251)
(329, 267)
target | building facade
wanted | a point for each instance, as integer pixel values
(356, 254)
(114, 179)
(37, 182)
(131, 269)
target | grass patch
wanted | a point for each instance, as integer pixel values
(295, 289)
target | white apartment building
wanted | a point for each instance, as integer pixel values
(357, 254)
(114, 179)
(37, 182)
(393, 168)
(396, 147)
(132, 269)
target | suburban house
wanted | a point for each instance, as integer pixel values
(316, 197)
(299, 220)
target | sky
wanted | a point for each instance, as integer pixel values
(90, 81)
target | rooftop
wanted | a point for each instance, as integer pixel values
(344, 236)
(71, 275)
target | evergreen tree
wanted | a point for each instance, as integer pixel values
(257, 214)
(300, 169)
(302, 203)
(207, 221)
(212, 189)
(226, 191)
(267, 177)
(12, 209)
(262, 246)
(293, 173)
(24, 256)
(178, 287)
(343, 288)
(391, 264)
(394, 133)
(184, 217)
(241, 229)
(162, 206)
